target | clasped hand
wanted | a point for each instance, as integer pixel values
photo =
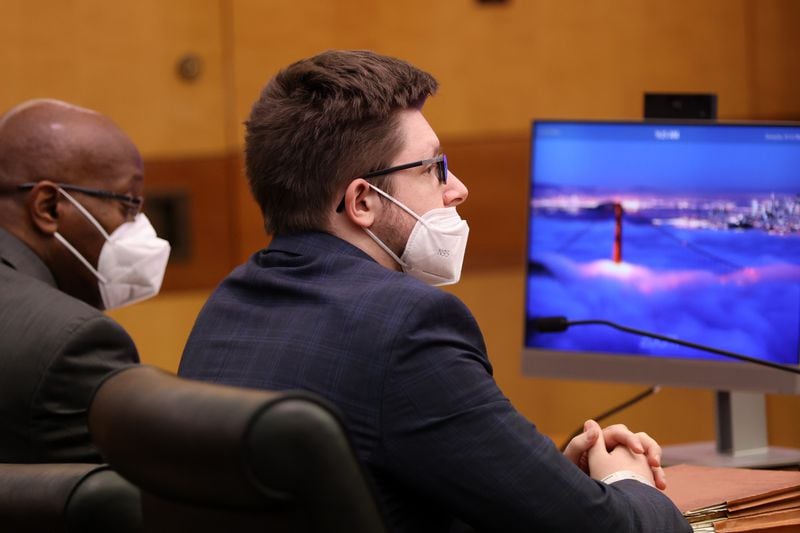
(600, 452)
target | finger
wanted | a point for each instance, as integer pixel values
(580, 444)
(660, 478)
(653, 456)
(593, 430)
(620, 434)
(651, 449)
(599, 448)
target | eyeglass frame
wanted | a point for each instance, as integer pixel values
(441, 168)
(132, 202)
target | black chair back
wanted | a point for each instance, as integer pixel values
(216, 458)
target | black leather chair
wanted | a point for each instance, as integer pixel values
(72, 498)
(216, 458)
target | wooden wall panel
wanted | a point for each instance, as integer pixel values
(120, 58)
(160, 326)
(248, 222)
(495, 170)
(501, 65)
(774, 75)
(205, 183)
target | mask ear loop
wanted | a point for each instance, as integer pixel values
(71, 248)
(386, 249)
(375, 237)
(85, 213)
(80, 257)
(399, 204)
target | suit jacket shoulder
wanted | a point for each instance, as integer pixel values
(54, 350)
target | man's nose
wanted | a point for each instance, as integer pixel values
(456, 192)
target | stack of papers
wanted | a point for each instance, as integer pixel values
(734, 500)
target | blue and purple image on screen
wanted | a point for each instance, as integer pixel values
(687, 230)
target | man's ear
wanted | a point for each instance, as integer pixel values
(361, 203)
(43, 205)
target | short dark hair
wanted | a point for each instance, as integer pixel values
(319, 123)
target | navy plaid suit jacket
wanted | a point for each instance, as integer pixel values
(406, 364)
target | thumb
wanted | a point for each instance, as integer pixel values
(599, 447)
(591, 432)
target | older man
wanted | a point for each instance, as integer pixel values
(72, 242)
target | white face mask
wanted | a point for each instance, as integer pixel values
(435, 249)
(132, 261)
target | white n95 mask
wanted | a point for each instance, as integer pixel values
(435, 249)
(132, 262)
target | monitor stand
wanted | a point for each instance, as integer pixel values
(741, 438)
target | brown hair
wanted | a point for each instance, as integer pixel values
(319, 123)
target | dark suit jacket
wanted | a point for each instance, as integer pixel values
(406, 364)
(54, 350)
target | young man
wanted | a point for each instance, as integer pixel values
(72, 241)
(353, 186)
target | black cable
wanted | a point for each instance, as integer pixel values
(688, 344)
(614, 410)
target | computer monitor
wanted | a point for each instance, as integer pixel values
(685, 229)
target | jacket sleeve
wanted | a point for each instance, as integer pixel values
(92, 349)
(450, 435)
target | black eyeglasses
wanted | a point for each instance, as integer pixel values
(133, 203)
(440, 161)
(441, 172)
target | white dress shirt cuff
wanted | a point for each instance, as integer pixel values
(619, 475)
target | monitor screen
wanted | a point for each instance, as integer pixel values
(685, 229)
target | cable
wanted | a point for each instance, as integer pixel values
(614, 410)
(726, 353)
